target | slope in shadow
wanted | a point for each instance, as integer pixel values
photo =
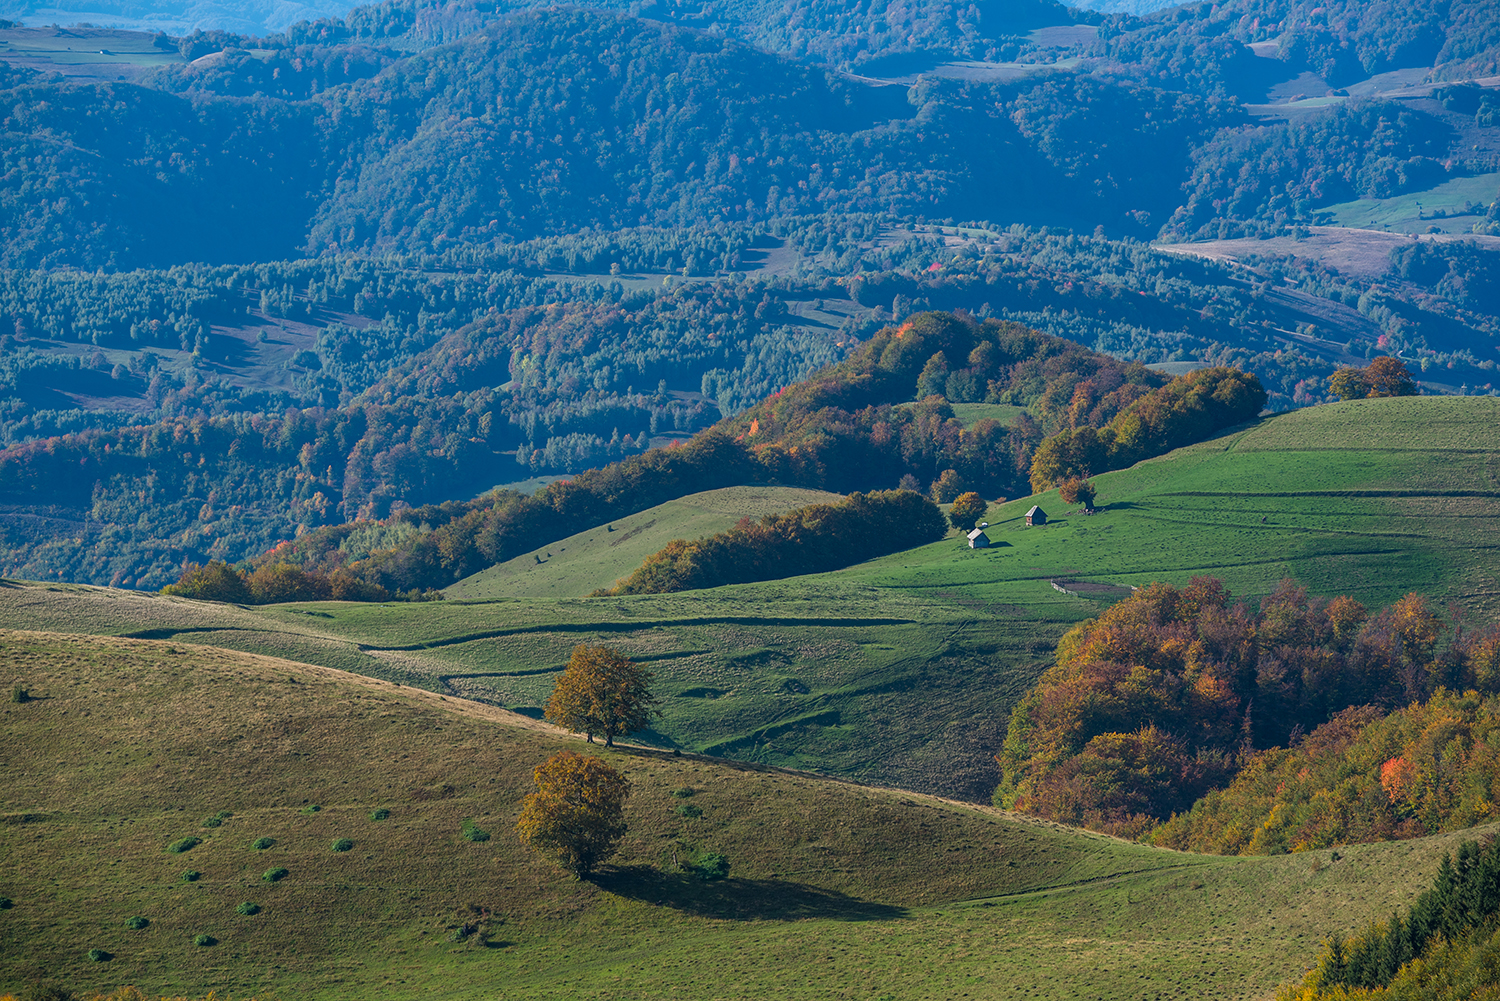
(740, 899)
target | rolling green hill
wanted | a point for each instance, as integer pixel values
(903, 670)
(131, 746)
(602, 555)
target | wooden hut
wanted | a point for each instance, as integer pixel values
(1036, 516)
(978, 540)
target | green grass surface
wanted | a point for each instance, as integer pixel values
(969, 414)
(602, 555)
(903, 670)
(1405, 213)
(834, 889)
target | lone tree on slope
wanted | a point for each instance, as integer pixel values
(967, 510)
(576, 817)
(604, 692)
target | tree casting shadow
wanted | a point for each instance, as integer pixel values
(740, 899)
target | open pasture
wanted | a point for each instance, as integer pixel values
(903, 670)
(133, 749)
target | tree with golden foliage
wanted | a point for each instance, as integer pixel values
(1077, 490)
(576, 817)
(967, 509)
(602, 691)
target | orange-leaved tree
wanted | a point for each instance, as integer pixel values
(602, 691)
(967, 510)
(576, 817)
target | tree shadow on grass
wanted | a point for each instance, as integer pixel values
(740, 899)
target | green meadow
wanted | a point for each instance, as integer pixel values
(903, 670)
(151, 790)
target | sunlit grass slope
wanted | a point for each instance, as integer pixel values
(603, 554)
(903, 670)
(129, 746)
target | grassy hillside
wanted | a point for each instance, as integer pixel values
(130, 746)
(903, 670)
(602, 555)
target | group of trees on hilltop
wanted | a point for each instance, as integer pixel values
(1382, 377)
(1166, 694)
(813, 539)
(1191, 408)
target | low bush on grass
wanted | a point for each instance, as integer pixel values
(6, 903)
(342, 845)
(247, 908)
(217, 819)
(205, 940)
(137, 923)
(684, 792)
(191, 876)
(184, 845)
(474, 833)
(310, 810)
(379, 814)
(690, 810)
(261, 844)
(712, 866)
(275, 875)
(99, 956)
(19, 695)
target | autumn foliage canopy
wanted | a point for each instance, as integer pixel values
(576, 817)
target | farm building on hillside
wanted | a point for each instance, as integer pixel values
(1036, 516)
(978, 540)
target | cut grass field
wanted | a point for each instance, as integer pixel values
(129, 746)
(902, 671)
(1413, 212)
(602, 555)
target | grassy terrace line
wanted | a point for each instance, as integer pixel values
(135, 745)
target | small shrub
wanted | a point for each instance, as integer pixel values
(684, 792)
(205, 940)
(690, 810)
(184, 845)
(99, 956)
(342, 845)
(310, 810)
(6, 903)
(713, 866)
(261, 844)
(247, 908)
(379, 814)
(217, 819)
(275, 875)
(473, 832)
(191, 876)
(19, 695)
(136, 923)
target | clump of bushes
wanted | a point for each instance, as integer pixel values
(342, 845)
(472, 832)
(247, 908)
(271, 584)
(690, 810)
(712, 866)
(184, 845)
(191, 876)
(380, 813)
(261, 844)
(19, 694)
(99, 956)
(217, 819)
(6, 903)
(205, 940)
(310, 809)
(275, 875)
(684, 792)
(136, 923)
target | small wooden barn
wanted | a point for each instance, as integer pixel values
(1036, 516)
(978, 540)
